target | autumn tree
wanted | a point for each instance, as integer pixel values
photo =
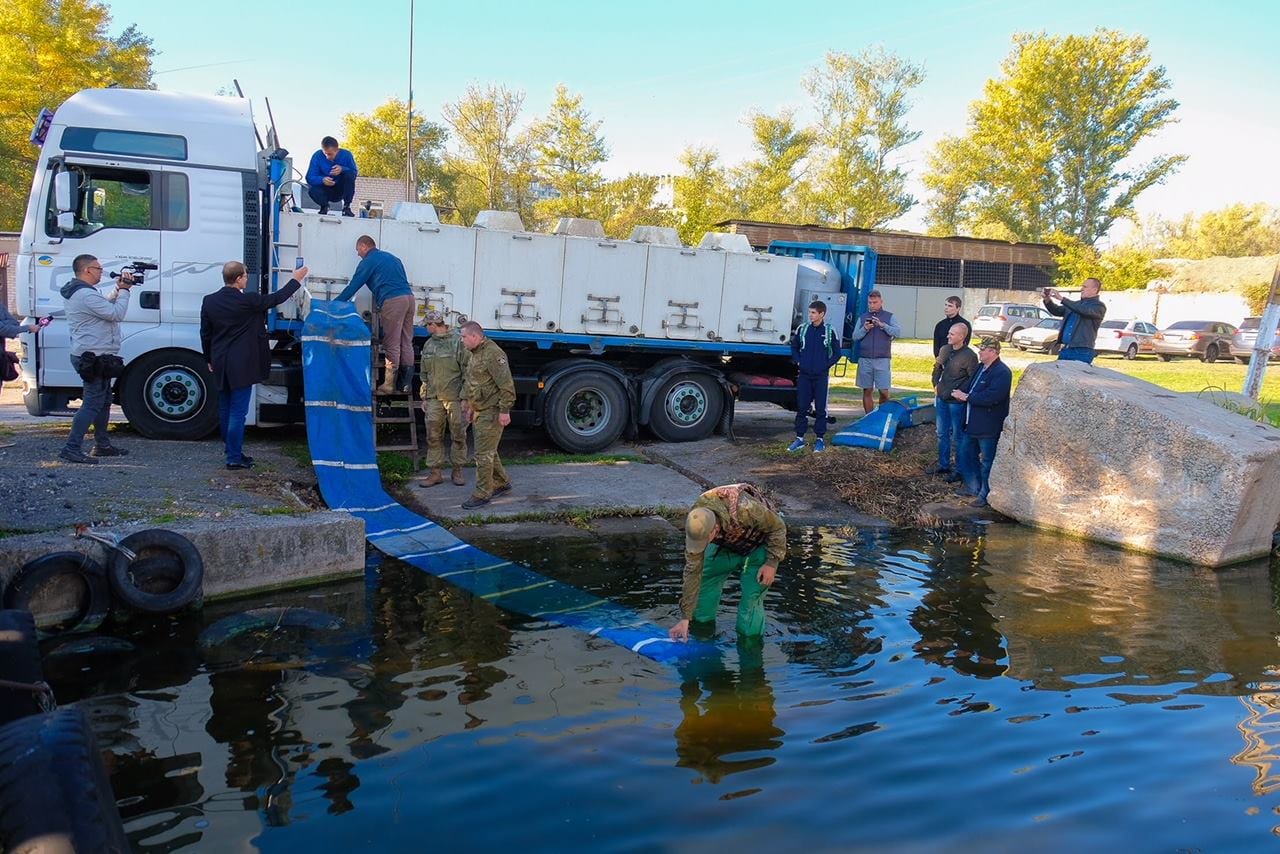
(491, 163)
(49, 50)
(378, 140)
(568, 153)
(1120, 268)
(771, 186)
(862, 103)
(702, 196)
(625, 203)
(1048, 146)
(1235, 231)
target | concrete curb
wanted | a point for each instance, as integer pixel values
(242, 555)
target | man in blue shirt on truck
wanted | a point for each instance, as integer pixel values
(331, 177)
(394, 301)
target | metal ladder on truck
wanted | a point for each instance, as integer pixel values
(395, 412)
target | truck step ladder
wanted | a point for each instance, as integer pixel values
(397, 410)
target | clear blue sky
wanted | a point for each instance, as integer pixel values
(665, 74)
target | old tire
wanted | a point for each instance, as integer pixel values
(54, 792)
(686, 408)
(156, 545)
(36, 573)
(1132, 352)
(1211, 354)
(19, 662)
(169, 394)
(586, 412)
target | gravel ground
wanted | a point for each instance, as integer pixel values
(157, 482)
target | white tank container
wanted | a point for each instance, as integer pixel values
(517, 280)
(603, 286)
(682, 293)
(440, 262)
(759, 291)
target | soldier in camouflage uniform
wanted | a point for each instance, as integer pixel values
(488, 393)
(730, 529)
(443, 361)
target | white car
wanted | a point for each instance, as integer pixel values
(1126, 337)
(1042, 338)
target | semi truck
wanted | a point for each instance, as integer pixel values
(605, 336)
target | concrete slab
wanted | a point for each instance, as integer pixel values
(566, 488)
(637, 526)
(245, 555)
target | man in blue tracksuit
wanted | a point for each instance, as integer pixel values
(986, 406)
(331, 177)
(815, 348)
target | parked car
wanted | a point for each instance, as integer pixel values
(1246, 336)
(1126, 337)
(1043, 337)
(1204, 339)
(1002, 319)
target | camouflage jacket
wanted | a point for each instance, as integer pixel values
(747, 520)
(444, 361)
(487, 380)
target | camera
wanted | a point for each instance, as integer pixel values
(137, 268)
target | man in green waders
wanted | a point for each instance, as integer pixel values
(730, 529)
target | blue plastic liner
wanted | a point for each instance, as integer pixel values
(877, 430)
(337, 375)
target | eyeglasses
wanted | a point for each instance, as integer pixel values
(99, 269)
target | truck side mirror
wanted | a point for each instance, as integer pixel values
(62, 192)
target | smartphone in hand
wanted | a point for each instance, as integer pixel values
(44, 321)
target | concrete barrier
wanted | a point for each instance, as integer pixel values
(242, 555)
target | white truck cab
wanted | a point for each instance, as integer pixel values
(164, 180)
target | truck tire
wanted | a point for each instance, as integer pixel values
(586, 412)
(54, 792)
(152, 545)
(19, 662)
(169, 394)
(686, 408)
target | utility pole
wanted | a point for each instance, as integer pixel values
(1265, 340)
(410, 173)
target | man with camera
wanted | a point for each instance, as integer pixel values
(876, 330)
(1079, 331)
(94, 323)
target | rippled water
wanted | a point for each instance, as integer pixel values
(1015, 691)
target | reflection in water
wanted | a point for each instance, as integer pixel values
(1065, 683)
(726, 714)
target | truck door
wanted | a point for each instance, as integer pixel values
(114, 220)
(196, 241)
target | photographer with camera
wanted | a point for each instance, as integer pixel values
(94, 322)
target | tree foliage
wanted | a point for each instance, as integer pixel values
(1235, 231)
(623, 204)
(1048, 147)
(702, 195)
(569, 151)
(1121, 268)
(49, 50)
(862, 104)
(771, 187)
(379, 142)
(491, 166)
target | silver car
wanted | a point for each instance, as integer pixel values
(1205, 340)
(1246, 337)
(1003, 319)
(1042, 338)
(1126, 337)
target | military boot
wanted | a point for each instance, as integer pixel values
(457, 478)
(404, 376)
(388, 385)
(433, 479)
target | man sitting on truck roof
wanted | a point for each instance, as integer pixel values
(331, 177)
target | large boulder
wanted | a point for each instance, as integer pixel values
(1097, 453)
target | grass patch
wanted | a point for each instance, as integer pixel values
(396, 467)
(576, 518)
(280, 511)
(299, 452)
(12, 532)
(169, 518)
(555, 459)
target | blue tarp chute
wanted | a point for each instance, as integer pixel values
(337, 374)
(879, 429)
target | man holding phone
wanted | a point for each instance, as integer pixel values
(876, 330)
(1079, 331)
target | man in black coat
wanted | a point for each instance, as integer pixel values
(233, 335)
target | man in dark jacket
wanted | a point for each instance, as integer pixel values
(986, 406)
(951, 312)
(233, 335)
(1079, 331)
(815, 349)
(954, 367)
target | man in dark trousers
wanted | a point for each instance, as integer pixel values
(951, 316)
(815, 348)
(1079, 331)
(986, 406)
(233, 335)
(331, 177)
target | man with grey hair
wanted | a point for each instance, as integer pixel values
(875, 330)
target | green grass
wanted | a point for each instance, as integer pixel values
(1184, 375)
(299, 452)
(576, 518)
(280, 511)
(395, 467)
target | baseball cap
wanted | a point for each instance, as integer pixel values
(433, 317)
(698, 526)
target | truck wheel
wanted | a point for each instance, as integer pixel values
(170, 395)
(686, 408)
(586, 412)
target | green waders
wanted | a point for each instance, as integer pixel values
(717, 565)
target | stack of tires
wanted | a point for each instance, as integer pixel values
(166, 576)
(54, 793)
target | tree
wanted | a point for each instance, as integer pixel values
(1236, 231)
(568, 150)
(623, 204)
(1122, 268)
(491, 166)
(772, 187)
(378, 142)
(1047, 146)
(862, 103)
(49, 50)
(702, 196)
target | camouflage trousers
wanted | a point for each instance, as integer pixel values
(487, 433)
(445, 415)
